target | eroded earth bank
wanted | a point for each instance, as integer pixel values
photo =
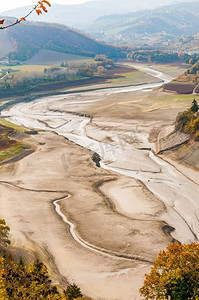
(100, 227)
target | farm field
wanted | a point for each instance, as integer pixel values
(48, 57)
(179, 87)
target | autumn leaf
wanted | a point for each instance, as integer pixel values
(38, 11)
(42, 6)
(47, 2)
(2, 21)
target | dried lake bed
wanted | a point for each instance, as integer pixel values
(101, 227)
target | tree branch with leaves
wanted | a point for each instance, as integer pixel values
(38, 8)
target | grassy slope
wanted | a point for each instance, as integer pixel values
(10, 147)
(5, 123)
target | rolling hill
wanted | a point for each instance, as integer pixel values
(166, 26)
(27, 39)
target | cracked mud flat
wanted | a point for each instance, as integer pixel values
(103, 226)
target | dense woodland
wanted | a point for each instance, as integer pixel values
(19, 280)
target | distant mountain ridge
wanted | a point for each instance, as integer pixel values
(30, 37)
(86, 13)
(159, 25)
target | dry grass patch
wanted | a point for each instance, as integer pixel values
(9, 146)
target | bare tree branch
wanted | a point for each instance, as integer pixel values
(37, 8)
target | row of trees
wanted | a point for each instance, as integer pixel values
(154, 56)
(16, 82)
(162, 56)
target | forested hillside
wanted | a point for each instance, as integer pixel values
(28, 38)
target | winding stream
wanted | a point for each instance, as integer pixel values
(89, 246)
(178, 193)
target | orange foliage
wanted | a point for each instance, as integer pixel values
(47, 2)
(42, 6)
(175, 274)
(38, 11)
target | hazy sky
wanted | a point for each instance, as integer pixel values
(10, 4)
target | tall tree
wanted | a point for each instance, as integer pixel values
(73, 292)
(194, 107)
(175, 274)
